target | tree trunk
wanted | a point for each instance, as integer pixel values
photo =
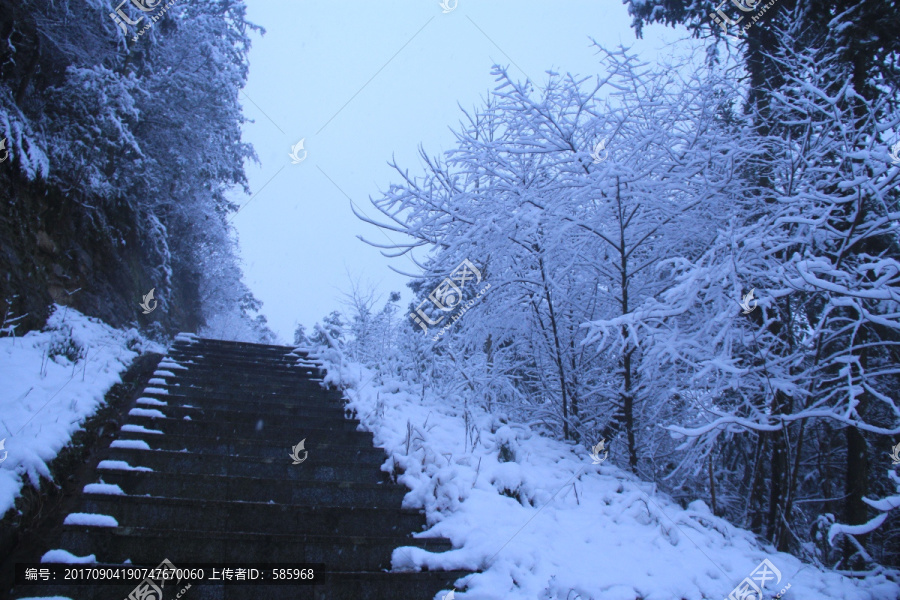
(856, 480)
(779, 479)
(757, 485)
(559, 358)
(628, 384)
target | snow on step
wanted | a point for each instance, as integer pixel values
(155, 390)
(152, 402)
(140, 429)
(158, 381)
(110, 489)
(120, 465)
(91, 520)
(163, 374)
(130, 444)
(64, 556)
(170, 364)
(186, 337)
(146, 412)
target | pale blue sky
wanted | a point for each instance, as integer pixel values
(365, 81)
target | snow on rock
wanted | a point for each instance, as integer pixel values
(152, 402)
(146, 412)
(140, 429)
(132, 444)
(120, 465)
(63, 556)
(542, 522)
(90, 520)
(43, 402)
(109, 489)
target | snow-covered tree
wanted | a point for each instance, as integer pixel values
(566, 199)
(140, 138)
(819, 356)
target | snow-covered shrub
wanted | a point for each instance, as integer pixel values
(63, 343)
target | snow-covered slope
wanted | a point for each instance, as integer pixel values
(50, 381)
(542, 521)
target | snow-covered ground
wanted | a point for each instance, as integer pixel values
(543, 522)
(50, 382)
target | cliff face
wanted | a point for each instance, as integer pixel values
(120, 159)
(57, 249)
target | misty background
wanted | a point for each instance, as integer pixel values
(364, 83)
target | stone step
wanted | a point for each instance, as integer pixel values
(280, 365)
(256, 489)
(333, 585)
(287, 368)
(226, 382)
(246, 371)
(320, 469)
(201, 342)
(260, 448)
(226, 346)
(240, 412)
(242, 378)
(246, 402)
(249, 368)
(273, 431)
(254, 517)
(214, 348)
(217, 356)
(226, 388)
(286, 365)
(337, 445)
(151, 546)
(298, 395)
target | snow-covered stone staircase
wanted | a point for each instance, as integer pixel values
(201, 472)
